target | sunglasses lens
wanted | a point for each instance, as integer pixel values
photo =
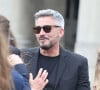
(47, 29)
(37, 30)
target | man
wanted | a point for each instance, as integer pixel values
(66, 70)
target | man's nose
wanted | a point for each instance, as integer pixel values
(42, 31)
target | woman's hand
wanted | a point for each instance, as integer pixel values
(14, 59)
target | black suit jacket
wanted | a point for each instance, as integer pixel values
(72, 71)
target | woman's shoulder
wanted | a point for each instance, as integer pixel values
(17, 79)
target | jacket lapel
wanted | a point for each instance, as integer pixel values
(62, 65)
(33, 61)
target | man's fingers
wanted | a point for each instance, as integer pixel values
(44, 75)
(40, 81)
(46, 82)
(39, 73)
(30, 77)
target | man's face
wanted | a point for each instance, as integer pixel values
(51, 38)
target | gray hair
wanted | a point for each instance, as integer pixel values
(53, 13)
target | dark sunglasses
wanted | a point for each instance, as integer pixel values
(46, 28)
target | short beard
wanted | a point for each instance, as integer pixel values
(46, 47)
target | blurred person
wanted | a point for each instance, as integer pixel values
(13, 73)
(9, 78)
(96, 84)
(5, 67)
(5, 25)
(66, 70)
(13, 44)
(39, 81)
(5, 31)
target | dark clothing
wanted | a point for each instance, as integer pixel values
(18, 80)
(20, 77)
(19, 73)
(51, 65)
(14, 50)
(72, 73)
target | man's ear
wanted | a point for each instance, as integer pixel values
(61, 32)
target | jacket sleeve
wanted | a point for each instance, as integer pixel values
(83, 77)
(21, 69)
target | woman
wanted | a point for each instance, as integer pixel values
(10, 79)
(96, 85)
(13, 73)
(7, 72)
(5, 29)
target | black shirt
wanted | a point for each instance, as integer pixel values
(51, 65)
